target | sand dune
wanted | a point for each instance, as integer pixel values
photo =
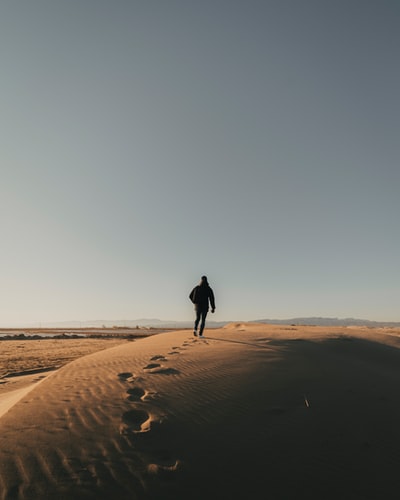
(250, 411)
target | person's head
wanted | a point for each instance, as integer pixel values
(204, 280)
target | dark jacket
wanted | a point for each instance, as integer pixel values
(201, 295)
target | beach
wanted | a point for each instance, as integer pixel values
(251, 410)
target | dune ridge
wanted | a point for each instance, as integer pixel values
(250, 410)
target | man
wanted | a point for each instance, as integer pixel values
(202, 296)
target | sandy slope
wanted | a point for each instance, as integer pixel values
(24, 363)
(250, 411)
(34, 356)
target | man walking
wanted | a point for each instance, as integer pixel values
(202, 296)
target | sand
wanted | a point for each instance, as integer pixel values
(250, 411)
(25, 363)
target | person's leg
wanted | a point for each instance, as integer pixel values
(197, 320)
(203, 314)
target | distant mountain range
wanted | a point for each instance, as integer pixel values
(159, 323)
(316, 321)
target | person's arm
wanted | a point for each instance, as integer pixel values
(192, 295)
(212, 300)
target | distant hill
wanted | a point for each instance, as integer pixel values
(315, 321)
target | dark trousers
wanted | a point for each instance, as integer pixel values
(201, 315)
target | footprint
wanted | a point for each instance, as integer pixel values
(176, 350)
(125, 375)
(151, 366)
(135, 421)
(136, 394)
(158, 357)
(164, 467)
(165, 371)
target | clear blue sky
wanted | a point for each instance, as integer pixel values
(145, 143)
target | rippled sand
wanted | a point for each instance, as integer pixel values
(252, 411)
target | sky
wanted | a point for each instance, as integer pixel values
(146, 143)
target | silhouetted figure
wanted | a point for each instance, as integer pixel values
(202, 296)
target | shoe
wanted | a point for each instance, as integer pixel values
(195, 333)
(201, 336)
